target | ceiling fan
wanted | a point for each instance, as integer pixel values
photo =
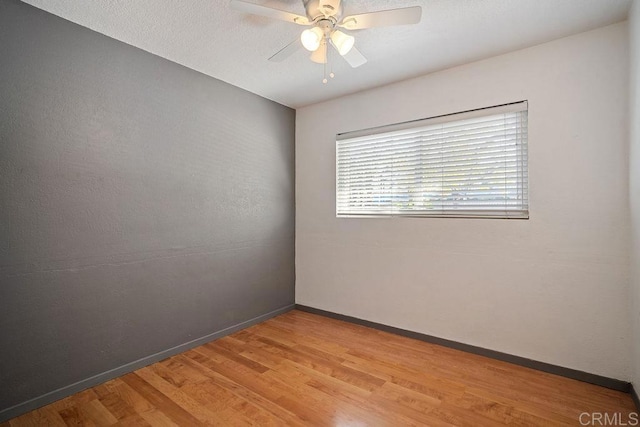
(325, 19)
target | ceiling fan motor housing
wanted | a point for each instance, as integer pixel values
(323, 9)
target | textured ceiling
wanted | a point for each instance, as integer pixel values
(206, 35)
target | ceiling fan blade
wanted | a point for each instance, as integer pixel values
(383, 18)
(269, 12)
(287, 51)
(329, 7)
(354, 57)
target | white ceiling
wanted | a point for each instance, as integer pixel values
(207, 36)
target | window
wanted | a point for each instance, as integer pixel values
(471, 164)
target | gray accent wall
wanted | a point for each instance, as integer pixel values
(143, 205)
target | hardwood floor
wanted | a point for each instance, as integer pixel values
(304, 369)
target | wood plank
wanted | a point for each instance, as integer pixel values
(120, 409)
(72, 416)
(179, 397)
(220, 381)
(169, 408)
(97, 413)
(131, 397)
(157, 419)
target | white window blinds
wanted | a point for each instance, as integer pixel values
(471, 164)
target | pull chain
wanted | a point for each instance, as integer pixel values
(325, 46)
(330, 64)
(326, 59)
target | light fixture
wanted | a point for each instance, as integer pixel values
(342, 42)
(311, 38)
(319, 56)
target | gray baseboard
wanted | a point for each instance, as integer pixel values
(70, 389)
(634, 396)
(607, 382)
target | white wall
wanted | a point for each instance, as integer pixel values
(634, 179)
(553, 288)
